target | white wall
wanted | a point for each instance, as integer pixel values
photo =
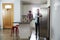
(0, 15)
(16, 9)
(55, 20)
(25, 9)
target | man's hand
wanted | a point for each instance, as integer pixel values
(40, 15)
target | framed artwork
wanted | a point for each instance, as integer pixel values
(25, 18)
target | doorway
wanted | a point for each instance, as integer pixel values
(8, 15)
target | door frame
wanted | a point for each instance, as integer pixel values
(12, 14)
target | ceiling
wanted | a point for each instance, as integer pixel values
(34, 1)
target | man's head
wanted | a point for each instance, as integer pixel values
(38, 11)
(29, 11)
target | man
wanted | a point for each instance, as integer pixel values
(30, 16)
(37, 23)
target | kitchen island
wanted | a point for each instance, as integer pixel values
(25, 30)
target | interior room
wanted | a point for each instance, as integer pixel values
(15, 24)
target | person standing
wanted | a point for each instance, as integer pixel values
(37, 23)
(30, 16)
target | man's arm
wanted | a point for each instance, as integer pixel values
(40, 15)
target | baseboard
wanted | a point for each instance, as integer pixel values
(6, 28)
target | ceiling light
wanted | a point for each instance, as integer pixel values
(8, 6)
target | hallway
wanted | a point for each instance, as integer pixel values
(18, 12)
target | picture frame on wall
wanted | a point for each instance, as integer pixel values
(25, 19)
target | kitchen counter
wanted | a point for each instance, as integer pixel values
(24, 30)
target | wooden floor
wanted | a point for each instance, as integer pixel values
(6, 35)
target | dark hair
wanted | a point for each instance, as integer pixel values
(29, 11)
(37, 9)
